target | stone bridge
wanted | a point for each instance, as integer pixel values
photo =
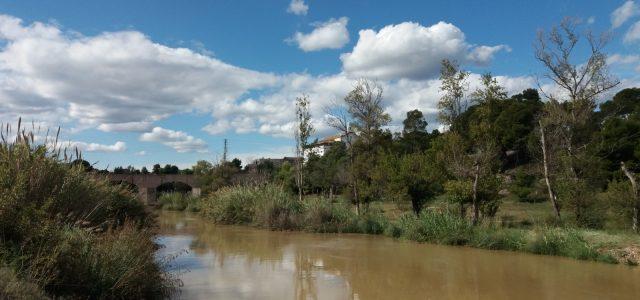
(148, 183)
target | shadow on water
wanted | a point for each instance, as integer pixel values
(234, 262)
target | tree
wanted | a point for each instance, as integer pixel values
(484, 137)
(157, 169)
(302, 132)
(635, 197)
(144, 170)
(362, 113)
(237, 163)
(415, 137)
(412, 177)
(202, 167)
(454, 85)
(568, 118)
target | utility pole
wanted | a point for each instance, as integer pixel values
(224, 154)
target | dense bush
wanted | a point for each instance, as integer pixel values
(11, 287)
(434, 227)
(565, 242)
(271, 206)
(70, 233)
(179, 201)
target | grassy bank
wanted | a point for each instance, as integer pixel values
(271, 207)
(64, 233)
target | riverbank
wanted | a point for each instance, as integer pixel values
(273, 208)
(244, 262)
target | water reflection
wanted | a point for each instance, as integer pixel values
(230, 262)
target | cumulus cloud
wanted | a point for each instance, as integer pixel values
(624, 13)
(123, 81)
(633, 34)
(298, 7)
(178, 140)
(115, 81)
(127, 127)
(95, 147)
(332, 34)
(410, 50)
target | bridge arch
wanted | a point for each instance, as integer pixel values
(148, 183)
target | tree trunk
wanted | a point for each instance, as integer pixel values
(462, 210)
(545, 163)
(299, 178)
(354, 181)
(476, 208)
(636, 199)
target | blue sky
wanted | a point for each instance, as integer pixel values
(140, 82)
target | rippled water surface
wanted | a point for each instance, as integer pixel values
(233, 262)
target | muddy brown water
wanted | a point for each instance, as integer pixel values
(235, 262)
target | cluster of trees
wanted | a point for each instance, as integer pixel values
(157, 169)
(580, 156)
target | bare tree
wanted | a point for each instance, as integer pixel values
(303, 131)
(364, 103)
(580, 84)
(339, 118)
(636, 197)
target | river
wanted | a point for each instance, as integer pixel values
(235, 262)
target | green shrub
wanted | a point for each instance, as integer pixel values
(565, 242)
(231, 205)
(434, 227)
(498, 239)
(117, 264)
(179, 201)
(275, 208)
(372, 221)
(323, 216)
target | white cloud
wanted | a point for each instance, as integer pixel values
(115, 80)
(122, 81)
(129, 126)
(410, 50)
(623, 59)
(178, 140)
(141, 153)
(591, 20)
(624, 13)
(95, 147)
(484, 54)
(298, 7)
(633, 34)
(332, 34)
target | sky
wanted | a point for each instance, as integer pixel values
(145, 82)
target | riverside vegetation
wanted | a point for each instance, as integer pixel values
(554, 176)
(65, 234)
